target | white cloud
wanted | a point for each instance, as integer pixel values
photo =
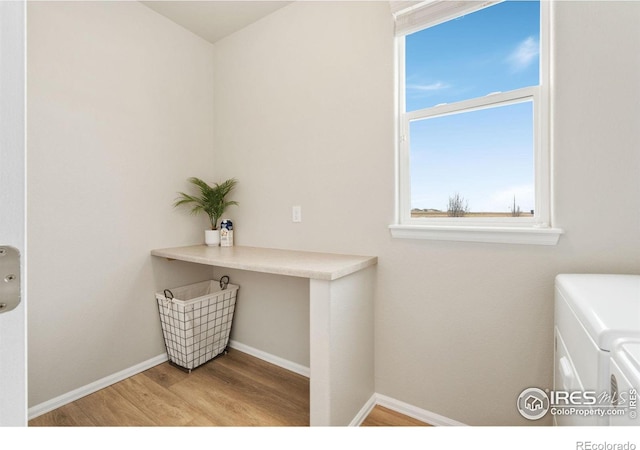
(524, 54)
(438, 85)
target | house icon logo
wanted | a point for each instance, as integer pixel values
(533, 403)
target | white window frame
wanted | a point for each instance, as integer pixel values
(535, 230)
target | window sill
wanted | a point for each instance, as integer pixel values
(498, 235)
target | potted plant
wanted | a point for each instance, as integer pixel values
(212, 201)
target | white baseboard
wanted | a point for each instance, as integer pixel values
(364, 411)
(74, 395)
(413, 411)
(376, 399)
(273, 359)
(83, 391)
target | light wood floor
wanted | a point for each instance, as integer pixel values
(385, 417)
(232, 390)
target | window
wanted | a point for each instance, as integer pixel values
(473, 146)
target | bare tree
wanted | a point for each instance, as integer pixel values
(515, 210)
(458, 206)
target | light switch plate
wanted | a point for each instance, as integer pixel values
(296, 213)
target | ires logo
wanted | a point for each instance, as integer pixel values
(534, 403)
(575, 398)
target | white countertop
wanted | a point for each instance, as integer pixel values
(319, 266)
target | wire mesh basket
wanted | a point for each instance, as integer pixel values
(196, 321)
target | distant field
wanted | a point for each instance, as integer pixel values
(420, 213)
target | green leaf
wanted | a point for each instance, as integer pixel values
(211, 200)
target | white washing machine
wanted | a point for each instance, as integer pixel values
(625, 381)
(591, 312)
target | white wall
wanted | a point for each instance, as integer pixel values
(298, 120)
(304, 116)
(120, 114)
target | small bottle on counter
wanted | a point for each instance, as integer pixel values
(226, 233)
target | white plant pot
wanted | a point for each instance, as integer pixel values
(212, 237)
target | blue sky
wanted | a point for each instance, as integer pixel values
(485, 156)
